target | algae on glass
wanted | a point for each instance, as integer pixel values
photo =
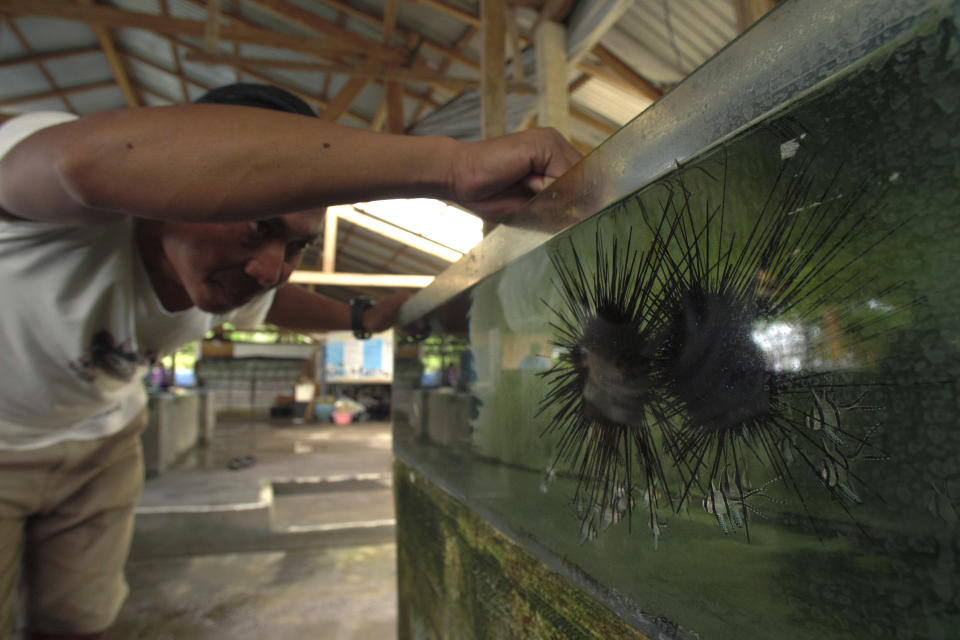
(839, 450)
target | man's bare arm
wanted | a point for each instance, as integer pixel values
(297, 309)
(223, 163)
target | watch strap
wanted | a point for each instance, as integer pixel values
(357, 307)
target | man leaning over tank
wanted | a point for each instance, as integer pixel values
(125, 234)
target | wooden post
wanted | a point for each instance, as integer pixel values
(211, 34)
(393, 90)
(329, 239)
(516, 51)
(494, 80)
(394, 107)
(749, 11)
(553, 99)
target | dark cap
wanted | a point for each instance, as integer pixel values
(257, 95)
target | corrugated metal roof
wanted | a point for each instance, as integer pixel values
(659, 41)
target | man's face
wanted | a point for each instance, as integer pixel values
(219, 267)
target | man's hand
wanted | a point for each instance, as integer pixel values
(383, 315)
(494, 177)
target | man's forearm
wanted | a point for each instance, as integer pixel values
(300, 310)
(297, 309)
(212, 163)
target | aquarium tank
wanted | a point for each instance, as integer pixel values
(707, 385)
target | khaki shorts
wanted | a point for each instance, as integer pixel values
(66, 518)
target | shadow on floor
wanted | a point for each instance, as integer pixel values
(298, 569)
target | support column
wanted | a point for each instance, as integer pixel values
(494, 81)
(553, 104)
(329, 239)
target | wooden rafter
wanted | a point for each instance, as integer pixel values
(46, 95)
(397, 234)
(516, 49)
(131, 55)
(344, 98)
(156, 93)
(552, 93)
(374, 240)
(117, 18)
(453, 53)
(175, 54)
(552, 11)
(117, 68)
(602, 72)
(391, 280)
(211, 33)
(319, 102)
(453, 10)
(581, 80)
(40, 64)
(626, 74)
(461, 42)
(286, 11)
(749, 11)
(379, 72)
(393, 94)
(348, 50)
(329, 240)
(47, 56)
(494, 88)
(593, 121)
(618, 73)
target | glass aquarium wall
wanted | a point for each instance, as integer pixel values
(728, 401)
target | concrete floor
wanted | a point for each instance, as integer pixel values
(213, 558)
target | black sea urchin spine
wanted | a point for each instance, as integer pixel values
(660, 352)
(600, 386)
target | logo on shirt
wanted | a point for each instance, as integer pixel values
(108, 357)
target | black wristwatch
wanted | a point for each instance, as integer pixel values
(357, 307)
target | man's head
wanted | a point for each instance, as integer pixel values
(219, 267)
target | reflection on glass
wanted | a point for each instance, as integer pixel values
(763, 345)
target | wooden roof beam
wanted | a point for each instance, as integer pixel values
(142, 88)
(353, 42)
(393, 95)
(40, 66)
(749, 11)
(46, 95)
(344, 98)
(426, 43)
(454, 11)
(625, 72)
(350, 214)
(427, 264)
(461, 42)
(117, 68)
(391, 280)
(493, 111)
(366, 266)
(379, 72)
(293, 14)
(593, 121)
(119, 18)
(605, 74)
(178, 68)
(126, 53)
(39, 58)
(318, 102)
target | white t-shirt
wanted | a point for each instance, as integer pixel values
(80, 323)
